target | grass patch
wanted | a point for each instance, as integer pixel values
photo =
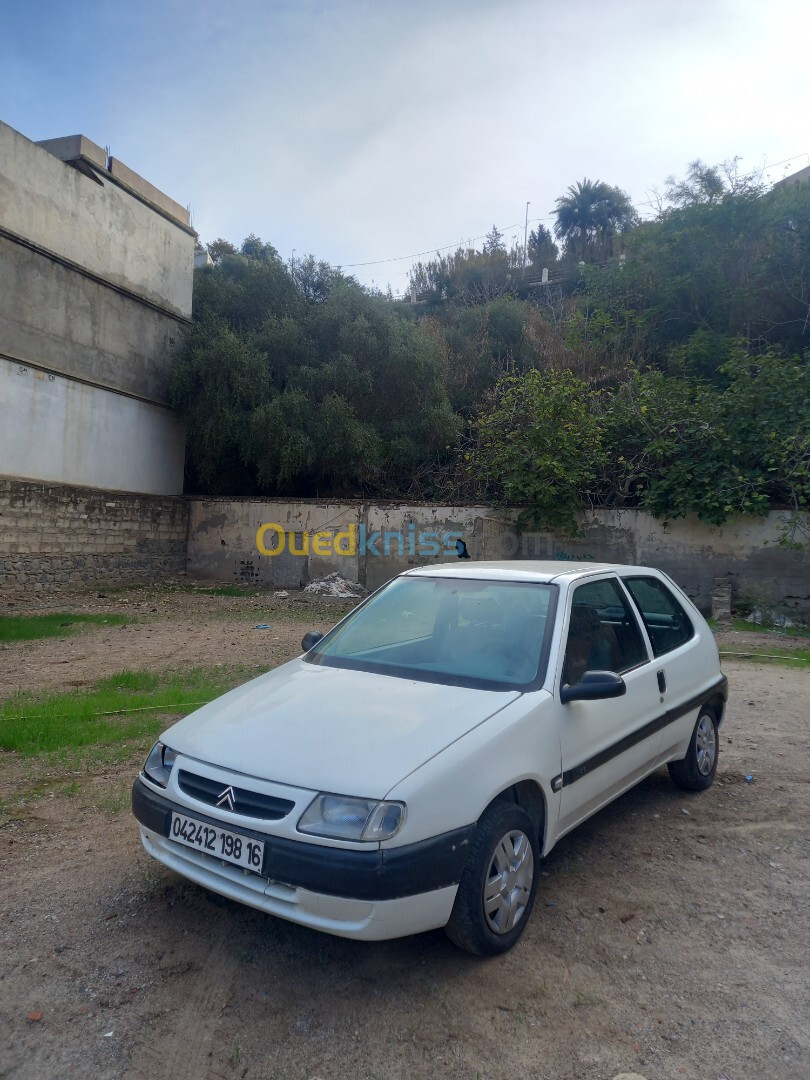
(795, 658)
(71, 773)
(587, 999)
(192, 588)
(114, 801)
(745, 626)
(226, 590)
(32, 627)
(129, 705)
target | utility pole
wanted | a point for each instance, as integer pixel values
(525, 238)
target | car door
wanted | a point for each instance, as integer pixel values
(607, 745)
(680, 658)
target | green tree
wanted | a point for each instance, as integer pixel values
(765, 407)
(539, 446)
(218, 248)
(589, 216)
(701, 276)
(702, 184)
(466, 277)
(254, 248)
(711, 183)
(305, 383)
(542, 251)
(216, 383)
(680, 446)
(664, 442)
(494, 245)
(313, 278)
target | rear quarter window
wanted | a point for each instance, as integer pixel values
(667, 623)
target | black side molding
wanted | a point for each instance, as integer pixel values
(720, 688)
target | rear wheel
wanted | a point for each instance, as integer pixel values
(697, 770)
(498, 887)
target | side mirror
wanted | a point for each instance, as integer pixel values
(310, 638)
(594, 686)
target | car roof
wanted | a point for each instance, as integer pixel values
(522, 569)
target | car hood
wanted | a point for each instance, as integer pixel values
(331, 729)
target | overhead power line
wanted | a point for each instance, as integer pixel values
(506, 228)
(444, 247)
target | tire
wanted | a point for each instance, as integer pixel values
(697, 770)
(498, 887)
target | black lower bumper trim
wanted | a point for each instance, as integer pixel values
(382, 874)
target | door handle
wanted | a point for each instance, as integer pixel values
(662, 682)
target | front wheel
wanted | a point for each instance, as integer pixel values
(697, 770)
(498, 887)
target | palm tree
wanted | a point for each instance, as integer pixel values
(589, 215)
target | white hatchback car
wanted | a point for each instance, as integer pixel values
(409, 771)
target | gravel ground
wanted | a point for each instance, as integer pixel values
(171, 627)
(669, 940)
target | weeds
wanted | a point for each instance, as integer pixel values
(115, 801)
(744, 626)
(587, 999)
(128, 705)
(60, 624)
(759, 608)
(227, 590)
(765, 655)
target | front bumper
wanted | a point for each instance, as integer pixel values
(373, 895)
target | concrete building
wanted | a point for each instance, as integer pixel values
(202, 258)
(800, 177)
(96, 269)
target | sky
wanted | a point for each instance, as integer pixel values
(366, 132)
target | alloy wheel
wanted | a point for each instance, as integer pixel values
(509, 882)
(705, 745)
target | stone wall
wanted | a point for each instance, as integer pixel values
(54, 537)
(223, 545)
(222, 538)
(745, 552)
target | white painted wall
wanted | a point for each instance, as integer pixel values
(57, 430)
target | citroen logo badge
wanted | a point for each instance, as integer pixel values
(226, 799)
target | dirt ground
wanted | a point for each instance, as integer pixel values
(670, 938)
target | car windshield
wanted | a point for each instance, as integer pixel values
(468, 632)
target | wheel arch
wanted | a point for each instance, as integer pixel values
(718, 707)
(529, 795)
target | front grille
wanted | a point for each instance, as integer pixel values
(249, 803)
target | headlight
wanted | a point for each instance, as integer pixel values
(343, 818)
(158, 765)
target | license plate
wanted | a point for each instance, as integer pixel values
(218, 843)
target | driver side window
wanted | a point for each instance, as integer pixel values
(603, 632)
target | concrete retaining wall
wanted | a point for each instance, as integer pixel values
(55, 429)
(222, 539)
(52, 316)
(94, 222)
(746, 552)
(222, 545)
(96, 272)
(53, 537)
